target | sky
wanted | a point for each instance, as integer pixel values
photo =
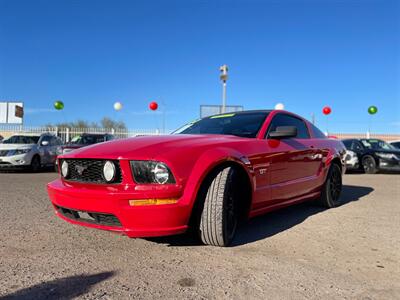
(306, 54)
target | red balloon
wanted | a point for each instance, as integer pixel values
(326, 110)
(153, 105)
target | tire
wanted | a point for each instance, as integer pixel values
(369, 164)
(330, 195)
(56, 166)
(35, 164)
(219, 217)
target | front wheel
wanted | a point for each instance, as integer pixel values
(369, 164)
(330, 195)
(219, 218)
(35, 164)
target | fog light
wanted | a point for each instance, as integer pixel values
(64, 169)
(142, 202)
(109, 171)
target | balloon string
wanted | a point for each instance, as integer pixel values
(327, 129)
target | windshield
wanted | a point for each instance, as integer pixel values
(87, 139)
(22, 139)
(240, 124)
(376, 144)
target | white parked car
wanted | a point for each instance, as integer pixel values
(29, 151)
(351, 160)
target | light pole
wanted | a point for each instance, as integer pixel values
(223, 76)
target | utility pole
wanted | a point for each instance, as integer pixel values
(223, 76)
(313, 118)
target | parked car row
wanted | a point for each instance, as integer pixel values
(36, 151)
(371, 155)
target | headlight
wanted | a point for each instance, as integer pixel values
(67, 150)
(109, 171)
(386, 155)
(64, 169)
(151, 172)
(349, 155)
(18, 151)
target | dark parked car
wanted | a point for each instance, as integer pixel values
(374, 155)
(396, 144)
(86, 139)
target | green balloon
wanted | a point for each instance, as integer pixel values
(59, 105)
(372, 110)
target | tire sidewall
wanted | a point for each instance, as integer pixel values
(229, 192)
(326, 198)
(372, 169)
(35, 164)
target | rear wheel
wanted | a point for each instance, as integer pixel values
(330, 195)
(35, 164)
(369, 164)
(219, 218)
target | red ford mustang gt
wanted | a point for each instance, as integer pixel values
(209, 175)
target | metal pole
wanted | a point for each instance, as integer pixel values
(223, 96)
(223, 76)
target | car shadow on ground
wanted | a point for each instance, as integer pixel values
(272, 223)
(63, 288)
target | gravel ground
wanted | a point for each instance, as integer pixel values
(302, 252)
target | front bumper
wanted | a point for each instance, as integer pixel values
(73, 202)
(389, 165)
(351, 162)
(15, 161)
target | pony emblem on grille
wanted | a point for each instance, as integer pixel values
(80, 169)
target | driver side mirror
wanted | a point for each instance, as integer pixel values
(44, 143)
(283, 132)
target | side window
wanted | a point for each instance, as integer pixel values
(286, 120)
(55, 141)
(317, 133)
(356, 146)
(348, 144)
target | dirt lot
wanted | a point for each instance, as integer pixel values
(302, 252)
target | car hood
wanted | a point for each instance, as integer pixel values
(15, 146)
(149, 146)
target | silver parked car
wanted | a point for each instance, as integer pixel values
(29, 151)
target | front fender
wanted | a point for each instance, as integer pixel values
(336, 154)
(207, 162)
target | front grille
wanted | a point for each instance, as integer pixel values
(3, 152)
(90, 170)
(89, 217)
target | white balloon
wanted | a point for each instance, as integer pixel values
(279, 106)
(117, 106)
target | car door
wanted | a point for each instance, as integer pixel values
(290, 160)
(44, 149)
(54, 149)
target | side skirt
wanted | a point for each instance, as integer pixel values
(280, 205)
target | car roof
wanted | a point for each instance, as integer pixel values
(242, 112)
